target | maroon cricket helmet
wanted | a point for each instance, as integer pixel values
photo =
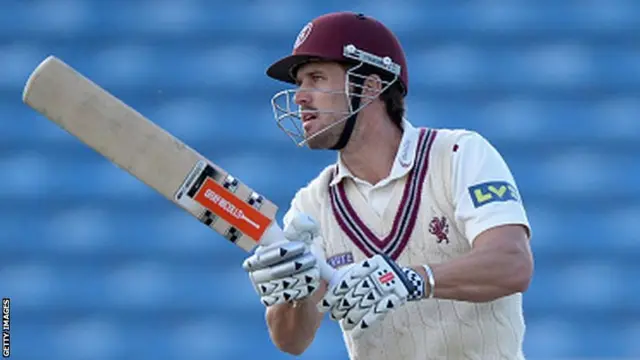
(336, 36)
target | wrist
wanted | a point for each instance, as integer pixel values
(423, 281)
(430, 282)
(418, 283)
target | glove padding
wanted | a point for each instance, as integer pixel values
(366, 293)
(287, 271)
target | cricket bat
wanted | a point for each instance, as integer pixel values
(151, 154)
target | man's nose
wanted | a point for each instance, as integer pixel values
(302, 97)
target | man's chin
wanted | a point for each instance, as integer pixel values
(314, 144)
(317, 142)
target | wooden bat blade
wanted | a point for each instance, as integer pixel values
(148, 152)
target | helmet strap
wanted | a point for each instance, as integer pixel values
(351, 121)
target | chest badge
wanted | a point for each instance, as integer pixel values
(439, 226)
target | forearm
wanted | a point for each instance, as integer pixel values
(292, 328)
(482, 275)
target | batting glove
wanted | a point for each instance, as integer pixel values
(287, 270)
(368, 291)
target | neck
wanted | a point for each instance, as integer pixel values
(371, 152)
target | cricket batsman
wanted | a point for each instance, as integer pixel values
(425, 226)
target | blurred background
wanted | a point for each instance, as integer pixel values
(100, 267)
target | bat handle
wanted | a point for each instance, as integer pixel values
(274, 234)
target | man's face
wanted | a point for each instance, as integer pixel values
(322, 102)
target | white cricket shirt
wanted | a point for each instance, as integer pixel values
(445, 187)
(474, 161)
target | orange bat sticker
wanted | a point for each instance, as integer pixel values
(232, 209)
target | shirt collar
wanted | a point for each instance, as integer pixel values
(403, 163)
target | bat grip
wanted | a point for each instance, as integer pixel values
(274, 234)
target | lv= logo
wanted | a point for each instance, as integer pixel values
(495, 191)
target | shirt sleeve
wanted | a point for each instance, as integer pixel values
(484, 190)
